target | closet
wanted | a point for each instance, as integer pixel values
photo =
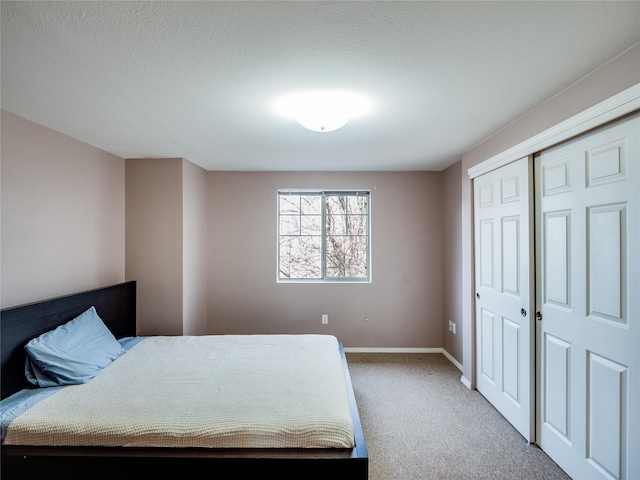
(557, 277)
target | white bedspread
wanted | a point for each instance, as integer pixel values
(205, 391)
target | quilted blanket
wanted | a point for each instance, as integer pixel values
(248, 391)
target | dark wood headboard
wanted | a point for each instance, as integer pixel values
(115, 304)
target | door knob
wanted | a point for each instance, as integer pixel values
(523, 312)
(538, 316)
(478, 296)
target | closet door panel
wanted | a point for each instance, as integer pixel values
(588, 295)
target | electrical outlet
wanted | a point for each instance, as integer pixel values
(450, 326)
(325, 319)
(454, 328)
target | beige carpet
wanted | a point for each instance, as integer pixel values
(421, 422)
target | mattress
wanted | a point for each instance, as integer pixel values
(218, 391)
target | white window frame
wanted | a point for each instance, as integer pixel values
(322, 192)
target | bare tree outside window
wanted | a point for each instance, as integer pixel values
(323, 235)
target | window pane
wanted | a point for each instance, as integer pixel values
(336, 205)
(347, 224)
(311, 204)
(289, 204)
(357, 204)
(289, 225)
(347, 204)
(346, 256)
(357, 224)
(311, 225)
(300, 257)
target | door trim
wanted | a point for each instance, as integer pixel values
(612, 108)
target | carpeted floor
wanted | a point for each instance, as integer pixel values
(421, 422)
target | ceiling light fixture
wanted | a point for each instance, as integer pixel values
(323, 111)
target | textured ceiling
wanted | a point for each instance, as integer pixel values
(197, 79)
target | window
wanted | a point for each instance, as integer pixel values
(323, 236)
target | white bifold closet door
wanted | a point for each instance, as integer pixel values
(588, 295)
(504, 331)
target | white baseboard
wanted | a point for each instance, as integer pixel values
(452, 360)
(391, 350)
(465, 382)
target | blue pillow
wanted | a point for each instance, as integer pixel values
(73, 353)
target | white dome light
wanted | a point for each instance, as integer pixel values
(323, 111)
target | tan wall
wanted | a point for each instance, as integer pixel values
(452, 260)
(63, 214)
(614, 77)
(401, 307)
(154, 239)
(194, 210)
(73, 197)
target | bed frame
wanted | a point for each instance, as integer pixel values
(116, 305)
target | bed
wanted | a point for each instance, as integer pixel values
(245, 456)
